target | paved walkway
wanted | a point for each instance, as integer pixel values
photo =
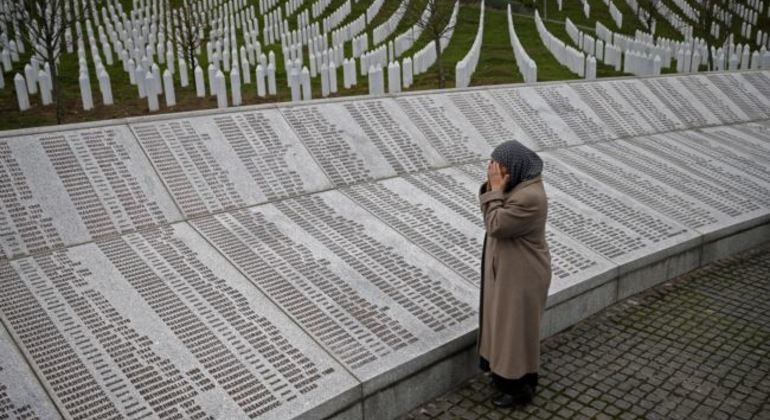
(697, 347)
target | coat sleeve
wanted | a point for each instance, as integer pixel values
(511, 218)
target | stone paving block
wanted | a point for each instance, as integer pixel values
(702, 304)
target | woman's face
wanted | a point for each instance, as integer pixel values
(503, 169)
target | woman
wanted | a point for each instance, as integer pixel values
(516, 272)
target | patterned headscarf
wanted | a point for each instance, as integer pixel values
(522, 163)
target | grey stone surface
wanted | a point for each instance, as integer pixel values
(693, 347)
(647, 171)
(587, 126)
(362, 140)
(280, 298)
(618, 228)
(159, 323)
(229, 161)
(21, 395)
(74, 186)
(626, 108)
(374, 300)
(445, 128)
(532, 114)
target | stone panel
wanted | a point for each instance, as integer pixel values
(362, 140)
(21, 395)
(228, 161)
(371, 298)
(70, 187)
(159, 324)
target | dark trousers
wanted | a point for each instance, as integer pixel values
(510, 386)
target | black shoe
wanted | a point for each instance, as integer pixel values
(503, 400)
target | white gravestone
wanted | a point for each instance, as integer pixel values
(235, 85)
(168, 88)
(306, 87)
(105, 87)
(271, 88)
(21, 92)
(220, 89)
(260, 74)
(150, 87)
(200, 83)
(85, 92)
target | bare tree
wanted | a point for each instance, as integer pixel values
(187, 33)
(707, 15)
(43, 24)
(435, 20)
(646, 12)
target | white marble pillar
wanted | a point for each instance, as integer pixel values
(220, 89)
(85, 92)
(183, 76)
(21, 92)
(307, 93)
(200, 82)
(105, 87)
(407, 71)
(260, 75)
(332, 77)
(152, 94)
(235, 85)
(168, 88)
(141, 75)
(271, 86)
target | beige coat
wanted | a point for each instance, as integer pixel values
(516, 273)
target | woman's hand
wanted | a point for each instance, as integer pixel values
(497, 176)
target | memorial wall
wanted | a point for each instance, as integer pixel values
(295, 261)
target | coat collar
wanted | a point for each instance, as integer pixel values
(528, 182)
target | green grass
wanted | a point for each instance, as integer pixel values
(496, 64)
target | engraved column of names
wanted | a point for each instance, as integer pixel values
(746, 100)
(760, 150)
(565, 261)
(587, 130)
(24, 227)
(198, 183)
(355, 329)
(447, 191)
(262, 152)
(708, 171)
(688, 212)
(407, 284)
(677, 104)
(422, 226)
(716, 105)
(644, 107)
(240, 350)
(747, 163)
(326, 143)
(620, 120)
(92, 167)
(440, 131)
(647, 226)
(394, 143)
(484, 116)
(529, 119)
(760, 82)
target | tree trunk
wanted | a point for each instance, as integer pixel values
(55, 84)
(439, 64)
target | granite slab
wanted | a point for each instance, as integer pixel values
(69, 187)
(362, 140)
(542, 126)
(228, 161)
(607, 222)
(372, 298)
(21, 395)
(160, 324)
